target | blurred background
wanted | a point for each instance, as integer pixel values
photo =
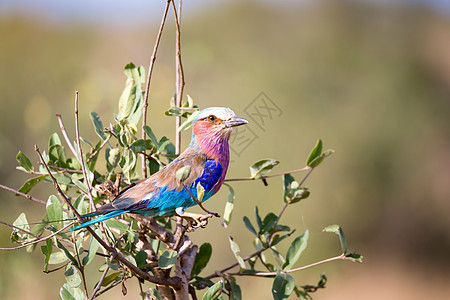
(370, 78)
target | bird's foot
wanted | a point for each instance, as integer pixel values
(196, 220)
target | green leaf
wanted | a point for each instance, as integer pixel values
(269, 222)
(354, 257)
(141, 258)
(57, 258)
(202, 258)
(228, 207)
(138, 146)
(47, 251)
(67, 253)
(174, 111)
(69, 293)
(112, 158)
(116, 224)
(54, 140)
(293, 192)
(30, 183)
(315, 152)
(54, 210)
(236, 252)
(262, 167)
(295, 250)
(258, 218)
(152, 136)
(317, 156)
(72, 276)
(188, 123)
(98, 125)
(249, 225)
(183, 173)
(111, 277)
(338, 230)
(283, 285)
(167, 259)
(213, 292)
(18, 236)
(57, 155)
(235, 289)
(24, 162)
(200, 192)
(93, 247)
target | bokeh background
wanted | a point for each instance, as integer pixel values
(370, 78)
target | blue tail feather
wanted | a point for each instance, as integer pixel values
(99, 219)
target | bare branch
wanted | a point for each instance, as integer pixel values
(99, 148)
(269, 176)
(23, 194)
(180, 76)
(147, 87)
(66, 137)
(80, 155)
(273, 274)
(39, 240)
(18, 228)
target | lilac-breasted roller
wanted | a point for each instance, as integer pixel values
(162, 194)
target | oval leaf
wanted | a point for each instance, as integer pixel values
(167, 259)
(24, 162)
(214, 291)
(201, 259)
(295, 250)
(262, 167)
(283, 285)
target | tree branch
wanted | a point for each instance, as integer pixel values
(147, 87)
(22, 194)
(38, 240)
(179, 76)
(66, 137)
(269, 176)
(80, 154)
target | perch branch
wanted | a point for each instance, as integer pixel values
(174, 282)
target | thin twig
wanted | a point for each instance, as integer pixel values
(199, 203)
(269, 176)
(41, 239)
(147, 87)
(18, 228)
(81, 269)
(99, 148)
(99, 284)
(66, 137)
(80, 154)
(23, 194)
(180, 77)
(215, 274)
(273, 274)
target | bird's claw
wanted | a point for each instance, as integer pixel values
(196, 220)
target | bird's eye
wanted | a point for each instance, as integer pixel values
(211, 118)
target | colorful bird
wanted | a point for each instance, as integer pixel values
(205, 162)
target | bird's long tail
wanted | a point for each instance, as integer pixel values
(105, 216)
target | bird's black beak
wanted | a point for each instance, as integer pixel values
(235, 121)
